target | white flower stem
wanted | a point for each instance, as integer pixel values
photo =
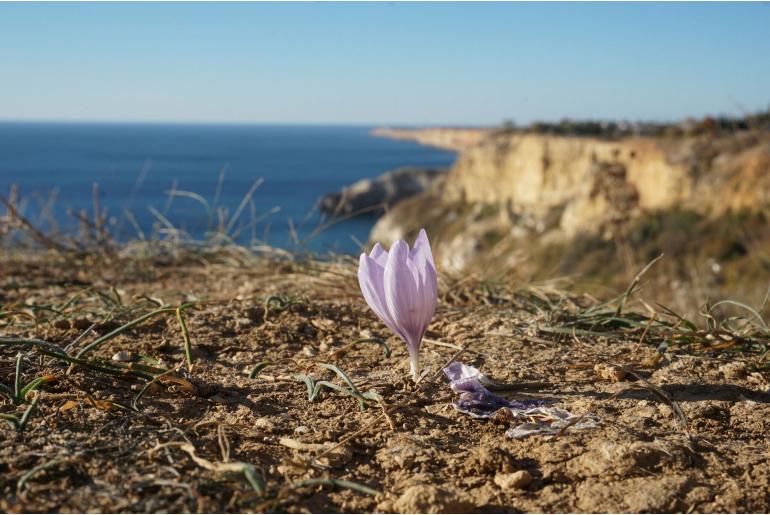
(414, 364)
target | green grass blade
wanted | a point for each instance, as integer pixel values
(34, 384)
(343, 375)
(12, 420)
(309, 383)
(17, 379)
(185, 337)
(39, 344)
(34, 470)
(154, 380)
(258, 368)
(28, 414)
(338, 483)
(743, 306)
(256, 483)
(133, 323)
(385, 348)
(355, 394)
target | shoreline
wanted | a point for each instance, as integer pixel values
(456, 139)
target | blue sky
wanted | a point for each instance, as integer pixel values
(385, 63)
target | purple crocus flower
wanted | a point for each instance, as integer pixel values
(401, 287)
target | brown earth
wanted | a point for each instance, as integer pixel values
(86, 449)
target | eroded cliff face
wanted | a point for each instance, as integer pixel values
(595, 183)
(510, 192)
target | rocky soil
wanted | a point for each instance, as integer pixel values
(683, 428)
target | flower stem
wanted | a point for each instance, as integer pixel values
(414, 364)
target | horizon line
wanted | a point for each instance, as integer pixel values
(391, 125)
(43, 121)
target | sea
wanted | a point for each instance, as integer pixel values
(259, 182)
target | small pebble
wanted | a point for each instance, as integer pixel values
(308, 351)
(609, 373)
(122, 356)
(301, 430)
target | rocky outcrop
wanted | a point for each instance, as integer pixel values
(457, 139)
(532, 174)
(540, 188)
(374, 196)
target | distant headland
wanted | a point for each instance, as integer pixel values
(448, 138)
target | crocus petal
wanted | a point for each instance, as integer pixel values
(379, 254)
(422, 307)
(427, 288)
(427, 284)
(401, 293)
(370, 278)
(422, 245)
(475, 399)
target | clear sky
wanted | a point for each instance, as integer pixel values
(385, 63)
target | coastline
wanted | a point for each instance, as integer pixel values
(299, 164)
(456, 139)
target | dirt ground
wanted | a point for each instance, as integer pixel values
(214, 439)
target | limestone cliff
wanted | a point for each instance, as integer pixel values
(509, 193)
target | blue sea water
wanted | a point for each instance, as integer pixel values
(136, 166)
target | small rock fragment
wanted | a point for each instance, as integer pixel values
(308, 351)
(264, 424)
(609, 373)
(123, 356)
(515, 480)
(324, 324)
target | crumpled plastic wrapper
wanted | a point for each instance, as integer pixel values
(477, 401)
